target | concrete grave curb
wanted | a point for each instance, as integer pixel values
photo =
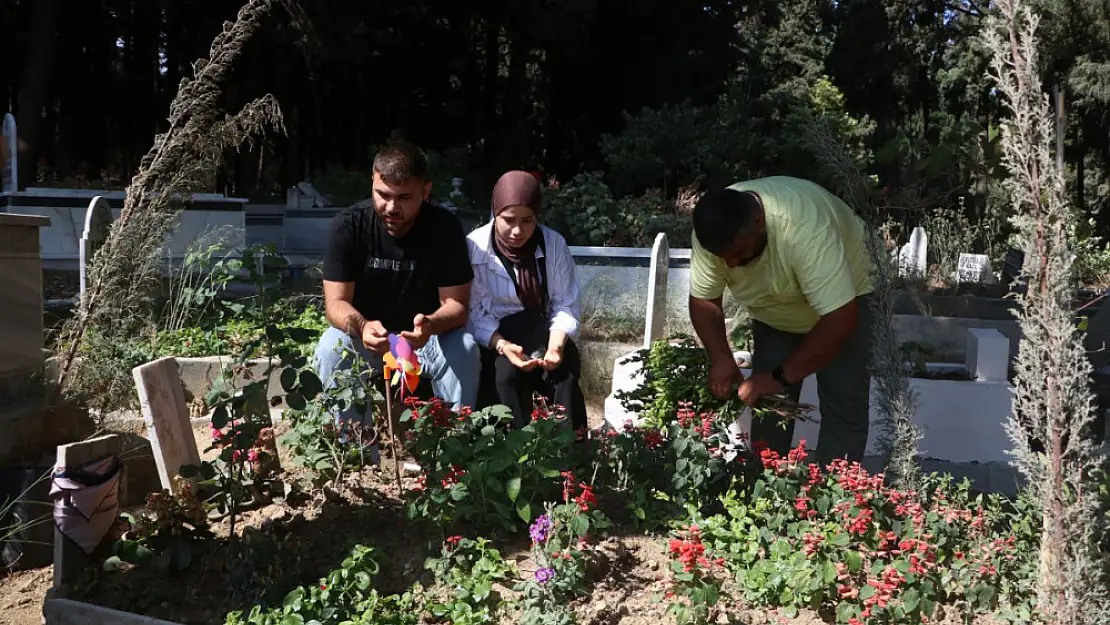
(69, 612)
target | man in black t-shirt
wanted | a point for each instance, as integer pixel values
(400, 267)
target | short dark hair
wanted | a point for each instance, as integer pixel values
(722, 214)
(401, 160)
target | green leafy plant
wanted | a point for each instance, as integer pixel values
(165, 532)
(345, 596)
(845, 542)
(243, 474)
(634, 462)
(674, 373)
(561, 550)
(468, 572)
(696, 579)
(477, 470)
(314, 440)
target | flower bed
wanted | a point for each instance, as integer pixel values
(527, 527)
(672, 522)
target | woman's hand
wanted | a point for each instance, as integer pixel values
(515, 354)
(552, 359)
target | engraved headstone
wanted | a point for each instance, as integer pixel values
(656, 321)
(974, 268)
(9, 156)
(98, 221)
(162, 400)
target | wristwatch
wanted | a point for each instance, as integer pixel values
(779, 376)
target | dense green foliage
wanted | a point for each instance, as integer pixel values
(718, 92)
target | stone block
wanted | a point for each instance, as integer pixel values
(33, 427)
(988, 355)
(21, 338)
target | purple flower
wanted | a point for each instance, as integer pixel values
(541, 529)
(545, 575)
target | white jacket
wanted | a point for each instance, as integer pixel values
(493, 292)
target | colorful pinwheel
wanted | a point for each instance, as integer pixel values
(401, 364)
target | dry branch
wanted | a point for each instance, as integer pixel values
(127, 270)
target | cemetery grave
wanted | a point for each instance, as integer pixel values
(259, 508)
(291, 538)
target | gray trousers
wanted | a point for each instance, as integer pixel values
(843, 388)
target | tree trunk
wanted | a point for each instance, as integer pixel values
(32, 96)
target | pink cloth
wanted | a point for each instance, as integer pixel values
(86, 501)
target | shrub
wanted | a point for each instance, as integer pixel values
(843, 541)
(477, 470)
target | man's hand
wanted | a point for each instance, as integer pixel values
(552, 359)
(723, 374)
(515, 354)
(421, 332)
(757, 386)
(375, 337)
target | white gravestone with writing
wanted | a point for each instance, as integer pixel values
(98, 220)
(9, 156)
(656, 321)
(913, 257)
(162, 400)
(975, 268)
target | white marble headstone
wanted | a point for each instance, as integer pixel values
(98, 220)
(975, 268)
(656, 320)
(9, 156)
(162, 399)
(913, 259)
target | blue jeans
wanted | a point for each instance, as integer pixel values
(450, 360)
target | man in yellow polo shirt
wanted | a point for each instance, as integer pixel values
(795, 255)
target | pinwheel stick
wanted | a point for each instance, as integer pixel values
(392, 436)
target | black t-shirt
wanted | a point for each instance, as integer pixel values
(396, 279)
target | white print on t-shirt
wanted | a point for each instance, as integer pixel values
(390, 263)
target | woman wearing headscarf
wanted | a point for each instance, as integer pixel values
(524, 302)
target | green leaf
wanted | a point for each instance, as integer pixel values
(845, 611)
(512, 488)
(524, 511)
(296, 401)
(220, 417)
(288, 380)
(292, 619)
(828, 572)
(854, 561)
(113, 564)
(911, 598)
(489, 431)
(188, 471)
(310, 384)
(301, 335)
(458, 492)
(579, 525)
